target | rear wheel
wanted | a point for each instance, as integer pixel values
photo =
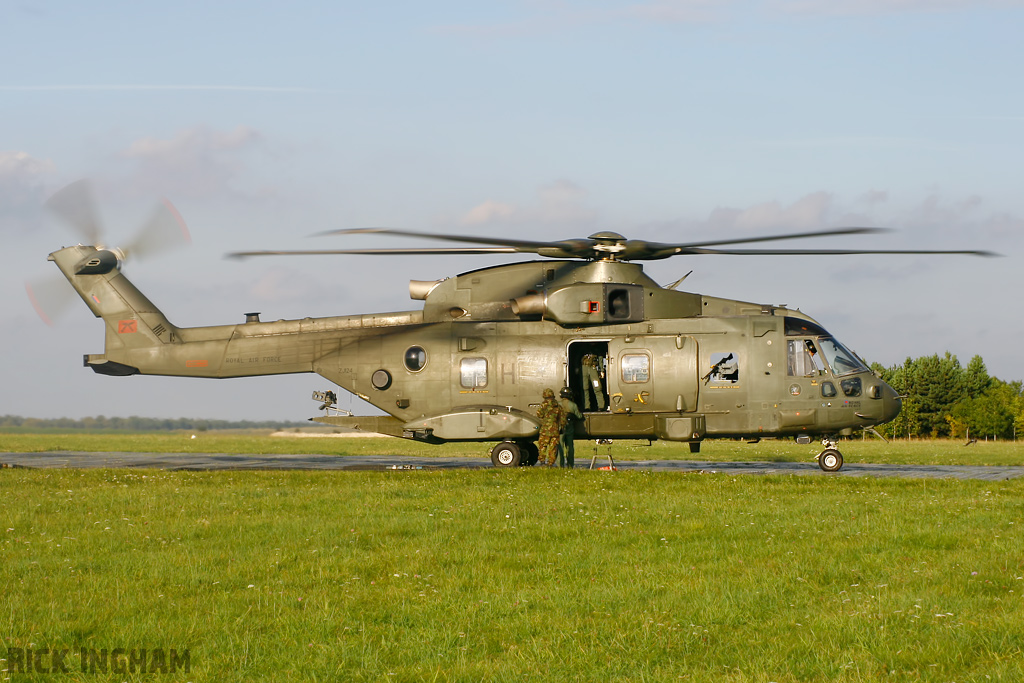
(506, 454)
(530, 453)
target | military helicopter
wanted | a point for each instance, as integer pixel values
(644, 361)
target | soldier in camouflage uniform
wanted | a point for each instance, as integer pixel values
(552, 419)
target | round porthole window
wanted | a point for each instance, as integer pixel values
(415, 358)
(381, 380)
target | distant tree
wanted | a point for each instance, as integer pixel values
(941, 398)
(938, 384)
(135, 424)
(991, 414)
(901, 378)
(976, 378)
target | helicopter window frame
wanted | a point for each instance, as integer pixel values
(635, 368)
(474, 371)
(415, 358)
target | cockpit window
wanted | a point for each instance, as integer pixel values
(839, 358)
(804, 359)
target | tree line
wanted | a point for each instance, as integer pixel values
(134, 424)
(944, 399)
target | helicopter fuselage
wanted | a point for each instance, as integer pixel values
(642, 361)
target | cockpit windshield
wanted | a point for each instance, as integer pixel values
(839, 358)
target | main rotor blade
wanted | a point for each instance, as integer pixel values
(76, 204)
(785, 236)
(376, 252)
(832, 252)
(527, 246)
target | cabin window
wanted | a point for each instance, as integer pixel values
(636, 368)
(725, 369)
(828, 390)
(804, 359)
(415, 358)
(473, 373)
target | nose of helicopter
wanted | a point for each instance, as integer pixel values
(892, 404)
(884, 406)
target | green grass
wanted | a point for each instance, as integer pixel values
(518, 574)
(873, 450)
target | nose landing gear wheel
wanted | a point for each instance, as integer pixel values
(830, 460)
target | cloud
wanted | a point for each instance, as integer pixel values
(873, 197)
(935, 221)
(561, 203)
(810, 212)
(143, 87)
(539, 17)
(25, 182)
(555, 17)
(675, 11)
(197, 162)
(960, 223)
(488, 212)
(877, 7)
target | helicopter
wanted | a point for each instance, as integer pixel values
(644, 361)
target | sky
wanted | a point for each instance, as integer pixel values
(670, 120)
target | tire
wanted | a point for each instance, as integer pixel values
(530, 454)
(830, 460)
(506, 454)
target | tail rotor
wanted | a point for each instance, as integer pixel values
(75, 206)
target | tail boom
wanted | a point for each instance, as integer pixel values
(140, 339)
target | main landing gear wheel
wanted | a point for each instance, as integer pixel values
(506, 454)
(830, 460)
(530, 453)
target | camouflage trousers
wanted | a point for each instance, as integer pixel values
(547, 445)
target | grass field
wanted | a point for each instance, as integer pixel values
(518, 574)
(512, 575)
(873, 450)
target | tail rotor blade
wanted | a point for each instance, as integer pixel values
(164, 231)
(51, 297)
(76, 205)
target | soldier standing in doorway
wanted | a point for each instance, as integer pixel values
(552, 420)
(567, 447)
(593, 374)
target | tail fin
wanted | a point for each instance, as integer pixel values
(133, 322)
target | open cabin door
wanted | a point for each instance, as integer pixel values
(587, 374)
